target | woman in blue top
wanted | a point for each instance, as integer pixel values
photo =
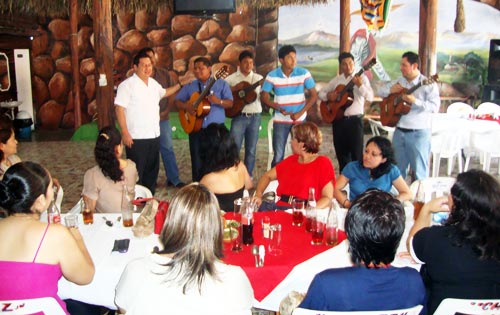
(377, 170)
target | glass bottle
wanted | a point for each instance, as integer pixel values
(247, 222)
(310, 210)
(332, 224)
(53, 213)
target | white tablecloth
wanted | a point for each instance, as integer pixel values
(99, 239)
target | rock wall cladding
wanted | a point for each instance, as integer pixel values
(177, 40)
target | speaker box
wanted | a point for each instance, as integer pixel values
(494, 62)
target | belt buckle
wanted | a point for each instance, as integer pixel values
(290, 199)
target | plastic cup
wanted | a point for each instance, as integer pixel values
(298, 206)
(71, 221)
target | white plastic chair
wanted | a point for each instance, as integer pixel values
(462, 306)
(460, 109)
(59, 197)
(376, 126)
(487, 144)
(407, 311)
(46, 305)
(488, 108)
(447, 144)
(288, 147)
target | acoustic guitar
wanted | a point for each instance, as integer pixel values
(334, 110)
(243, 94)
(193, 122)
(393, 106)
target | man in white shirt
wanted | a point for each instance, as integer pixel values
(348, 130)
(138, 114)
(246, 124)
(412, 138)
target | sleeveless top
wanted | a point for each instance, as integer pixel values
(29, 280)
(226, 201)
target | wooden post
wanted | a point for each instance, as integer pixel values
(75, 65)
(427, 36)
(103, 45)
(345, 25)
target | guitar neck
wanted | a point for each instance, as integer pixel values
(414, 88)
(253, 86)
(204, 93)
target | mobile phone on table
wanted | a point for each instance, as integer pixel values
(121, 246)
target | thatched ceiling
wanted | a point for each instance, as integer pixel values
(61, 7)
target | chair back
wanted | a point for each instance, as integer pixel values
(460, 109)
(488, 108)
(46, 305)
(462, 306)
(407, 311)
(142, 192)
(376, 127)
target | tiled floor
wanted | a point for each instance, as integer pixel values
(68, 161)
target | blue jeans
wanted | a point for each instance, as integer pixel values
(280, 135)
(167, 153)
(413, 148)
(248, 127)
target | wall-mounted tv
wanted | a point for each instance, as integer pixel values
(203, 7)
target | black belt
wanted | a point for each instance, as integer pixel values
(249, 114)
(352, 116)
(407, 130)
(289, 198)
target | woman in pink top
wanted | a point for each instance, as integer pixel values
(33, 254)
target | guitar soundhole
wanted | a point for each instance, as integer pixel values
(241, 94)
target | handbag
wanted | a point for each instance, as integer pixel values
(151, 218)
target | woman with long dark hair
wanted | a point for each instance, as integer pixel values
(377, 170)
(8, 145)
(34, 255)
(462, 257)
(103, 183)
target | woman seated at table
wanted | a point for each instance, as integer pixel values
(461, 258)
(8, 145)
(377, 170)
(103, 183)
(32, 250)
(224, 173)
(187, 276)
(374, 226)
(303, 169)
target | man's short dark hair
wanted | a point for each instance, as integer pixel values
(245, 54)
(285, 50)
(141, 54)
(203, 60)
(345, 55)
(146, 50)
(412, 58)
(374, 226)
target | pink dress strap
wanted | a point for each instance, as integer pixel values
(41, 241)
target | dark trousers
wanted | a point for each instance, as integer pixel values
(348, 139)
(146, 155)
(194, 150)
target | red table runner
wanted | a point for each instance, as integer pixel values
(296, 246)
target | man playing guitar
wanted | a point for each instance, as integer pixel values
(219, 97)
(412, 138)
(348, 130)
(246, 124)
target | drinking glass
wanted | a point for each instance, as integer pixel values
(87, 213)
(71, 220)
(298, 208)
(275, 241)
(318, 229)
(419, 201)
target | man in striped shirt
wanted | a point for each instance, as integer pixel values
(288, 83)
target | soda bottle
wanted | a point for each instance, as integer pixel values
(419, 200)
(247, 222)
(331, 223)
(310, 210)
(53, 213)
(127, 208)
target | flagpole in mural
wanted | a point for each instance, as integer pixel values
(375, 14)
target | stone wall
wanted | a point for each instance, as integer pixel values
(177, 40)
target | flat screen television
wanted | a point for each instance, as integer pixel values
(203, 7)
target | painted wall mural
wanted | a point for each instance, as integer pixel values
(462, 59)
